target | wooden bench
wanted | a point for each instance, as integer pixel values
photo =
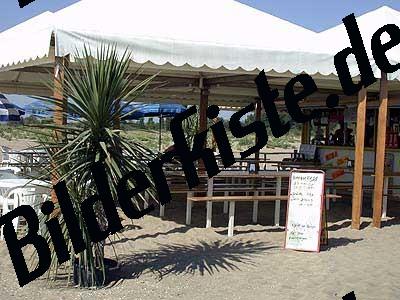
(232, 200)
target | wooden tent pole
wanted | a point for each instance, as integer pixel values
(204, 92)
(359, 160)
(60, 116)
(257, 161)
(380, 152)
(203, 109)
(305, 128)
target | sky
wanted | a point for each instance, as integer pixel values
(317, 15)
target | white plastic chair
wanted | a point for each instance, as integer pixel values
(8, 204)
(32, 196)
(11, 169)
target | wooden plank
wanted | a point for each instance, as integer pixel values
(359, 160)
(247, 198)
(227, 190)
(237, 198)
(380, 152)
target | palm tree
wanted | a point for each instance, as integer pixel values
(94, 90)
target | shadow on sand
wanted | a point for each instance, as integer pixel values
(203, 257)
(122, 238)
(240, 231)
(339, 242)
(346, 224)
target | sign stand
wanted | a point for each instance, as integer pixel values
(306, 219)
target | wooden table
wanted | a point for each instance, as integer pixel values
(278, 175)
(386, 178)
(233, 199)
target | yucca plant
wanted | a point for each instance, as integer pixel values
(94, 90)
(191, 127)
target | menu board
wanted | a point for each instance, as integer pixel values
(308, 150)
(304, 212)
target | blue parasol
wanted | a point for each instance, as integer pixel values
(43, 110)
(141, 110)
(9, 112)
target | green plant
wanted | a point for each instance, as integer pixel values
(190, 127)
(94, 90)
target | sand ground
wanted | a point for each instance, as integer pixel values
(164, 259)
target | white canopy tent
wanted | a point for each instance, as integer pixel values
(211, 33)
(335, 39)
(186, 40)
(207, 51)
(27, 43)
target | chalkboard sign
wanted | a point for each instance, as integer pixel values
(304, 210)
(308, 151)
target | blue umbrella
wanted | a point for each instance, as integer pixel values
(151, 110)
(42, 109)
(9, 112)
(39, 109)
(160, 110)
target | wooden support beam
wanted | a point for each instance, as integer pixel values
(24, 88)
(204, 92)
(240, 81)
(60, 116)
(173, 80)
(257, 159)
(305, 133)
(359, 160)
(380, 152)
(229, 79)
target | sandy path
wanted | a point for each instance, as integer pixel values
(164, 259)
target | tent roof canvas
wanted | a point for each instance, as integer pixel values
(336, 38)
(212, 33)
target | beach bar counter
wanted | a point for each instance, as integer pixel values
(333, 133)
(369, 165)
